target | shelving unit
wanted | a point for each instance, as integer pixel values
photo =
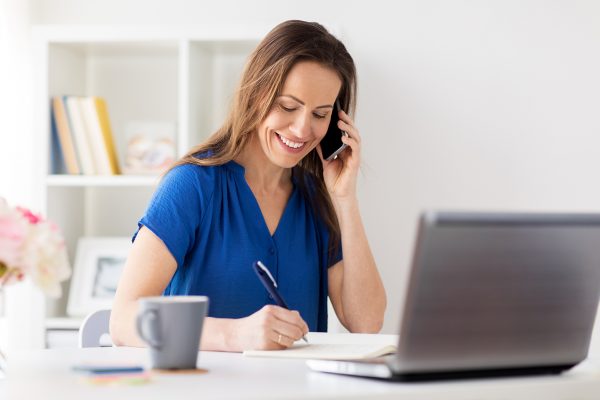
(181, 75)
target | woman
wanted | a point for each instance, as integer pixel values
(258, 189)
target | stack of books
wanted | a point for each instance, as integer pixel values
(83, 142)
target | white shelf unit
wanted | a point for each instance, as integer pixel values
(176, 74)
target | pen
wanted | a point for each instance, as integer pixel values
(269, 283)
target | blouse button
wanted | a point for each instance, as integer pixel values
(271, 250)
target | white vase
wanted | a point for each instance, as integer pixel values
(2, 356)
(3, 366)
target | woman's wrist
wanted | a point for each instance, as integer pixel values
(344, 205)
(219, 334)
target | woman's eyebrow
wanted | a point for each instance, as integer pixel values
(301, 102)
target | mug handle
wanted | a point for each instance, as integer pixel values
(152, 336)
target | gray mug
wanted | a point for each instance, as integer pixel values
(172, 327)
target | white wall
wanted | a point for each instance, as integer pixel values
(18, 166)
(462, 104)
(17, 169)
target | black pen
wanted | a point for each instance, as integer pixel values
(269, 283)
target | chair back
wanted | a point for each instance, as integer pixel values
(93, 327)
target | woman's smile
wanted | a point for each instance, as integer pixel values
(290, 145)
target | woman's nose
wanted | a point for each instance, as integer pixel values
(301, 126)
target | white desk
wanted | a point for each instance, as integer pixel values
(46, 374)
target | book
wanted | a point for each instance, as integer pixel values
(327, 351)
(107, 135)
(78, 128)
(87, 106)
(57, 160)
(82, 126)
(64, 136)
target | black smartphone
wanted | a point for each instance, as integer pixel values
(331, 144)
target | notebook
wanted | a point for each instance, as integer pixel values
(493, 294)
(327, 351)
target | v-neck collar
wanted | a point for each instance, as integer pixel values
(240, 172)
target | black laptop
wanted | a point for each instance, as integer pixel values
(493, 294)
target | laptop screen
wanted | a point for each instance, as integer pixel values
(500, 291)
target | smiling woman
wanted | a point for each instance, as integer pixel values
(259, 189)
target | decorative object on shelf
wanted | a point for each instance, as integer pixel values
(31, 247)
(150, 147)
(98, 265)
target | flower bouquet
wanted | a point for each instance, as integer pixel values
(31, 247)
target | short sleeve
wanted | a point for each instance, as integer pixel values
(175, 210)
(337, 257)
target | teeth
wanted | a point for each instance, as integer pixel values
(289, 143)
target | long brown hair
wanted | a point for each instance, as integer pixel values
(262, 80)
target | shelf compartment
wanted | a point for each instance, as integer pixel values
(138, 80)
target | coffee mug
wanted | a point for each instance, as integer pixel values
(172, 327)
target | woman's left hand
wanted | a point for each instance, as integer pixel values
(341, 174)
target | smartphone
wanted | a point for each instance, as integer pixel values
(331, 144)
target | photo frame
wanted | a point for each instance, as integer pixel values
(99, 262)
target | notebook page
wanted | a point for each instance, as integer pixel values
(329, 351)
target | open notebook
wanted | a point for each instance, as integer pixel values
(336, 348)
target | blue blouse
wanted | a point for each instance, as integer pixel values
(210, 221)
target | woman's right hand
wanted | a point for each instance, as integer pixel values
(270, 328)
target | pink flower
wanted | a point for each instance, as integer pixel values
(13, 232)
(31, 217)
(31, 247)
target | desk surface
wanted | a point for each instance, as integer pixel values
(47, 374)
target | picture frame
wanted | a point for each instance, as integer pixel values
(99, 262)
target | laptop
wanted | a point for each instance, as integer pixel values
(493, 294)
